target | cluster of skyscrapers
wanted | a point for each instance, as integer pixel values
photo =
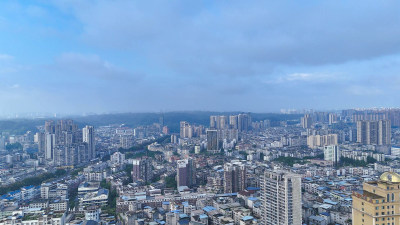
(188, 130)
(374, 132)
(392, 114)
(241, 122)
(222, 130)
(62, 143)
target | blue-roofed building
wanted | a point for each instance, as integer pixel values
(183, 215)
(15, 195)
(253, 188)
(203, 216)
(328, 201)
(317, 220)
(247, 220)
(209, 209)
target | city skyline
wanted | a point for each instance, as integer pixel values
(178, 112)
(134, 57)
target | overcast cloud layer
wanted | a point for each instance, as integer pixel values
(73, 56)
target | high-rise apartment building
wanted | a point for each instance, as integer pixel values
(332, 154)
(186, 130)
(228, 135)
(244, 122)
(213, 122)
(228, 127)
(234, 177)
(223, 122)
(49, 127)
(378, 202)
(281, 198)
(41, 141)
(233, 122)
(50, 142)
(126, 141)
(117, 158)
(384, 132)
(314, 141)
(142, 170)
(219, 122)
(185, 173)
(306, 121)
(89, 139)
(212, 141)
(374, 132)
(332, 118)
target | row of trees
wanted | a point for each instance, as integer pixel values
(290, 161)
(344, 161)
(36, 180)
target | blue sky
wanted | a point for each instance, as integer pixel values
(74, 56)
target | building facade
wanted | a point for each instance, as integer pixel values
(374, 132)
(281, 198)
(332, 154)
(378, 202)
(234, 177)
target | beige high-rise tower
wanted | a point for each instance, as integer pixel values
(306, 121)
(378, 202)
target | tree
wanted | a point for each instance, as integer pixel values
(170, 182)
(14, 146)
(36, 180)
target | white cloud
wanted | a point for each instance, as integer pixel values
(304, 77)
(6, 57)
(360, 90)
(90, 65)
(15, 86)
(237, 38)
